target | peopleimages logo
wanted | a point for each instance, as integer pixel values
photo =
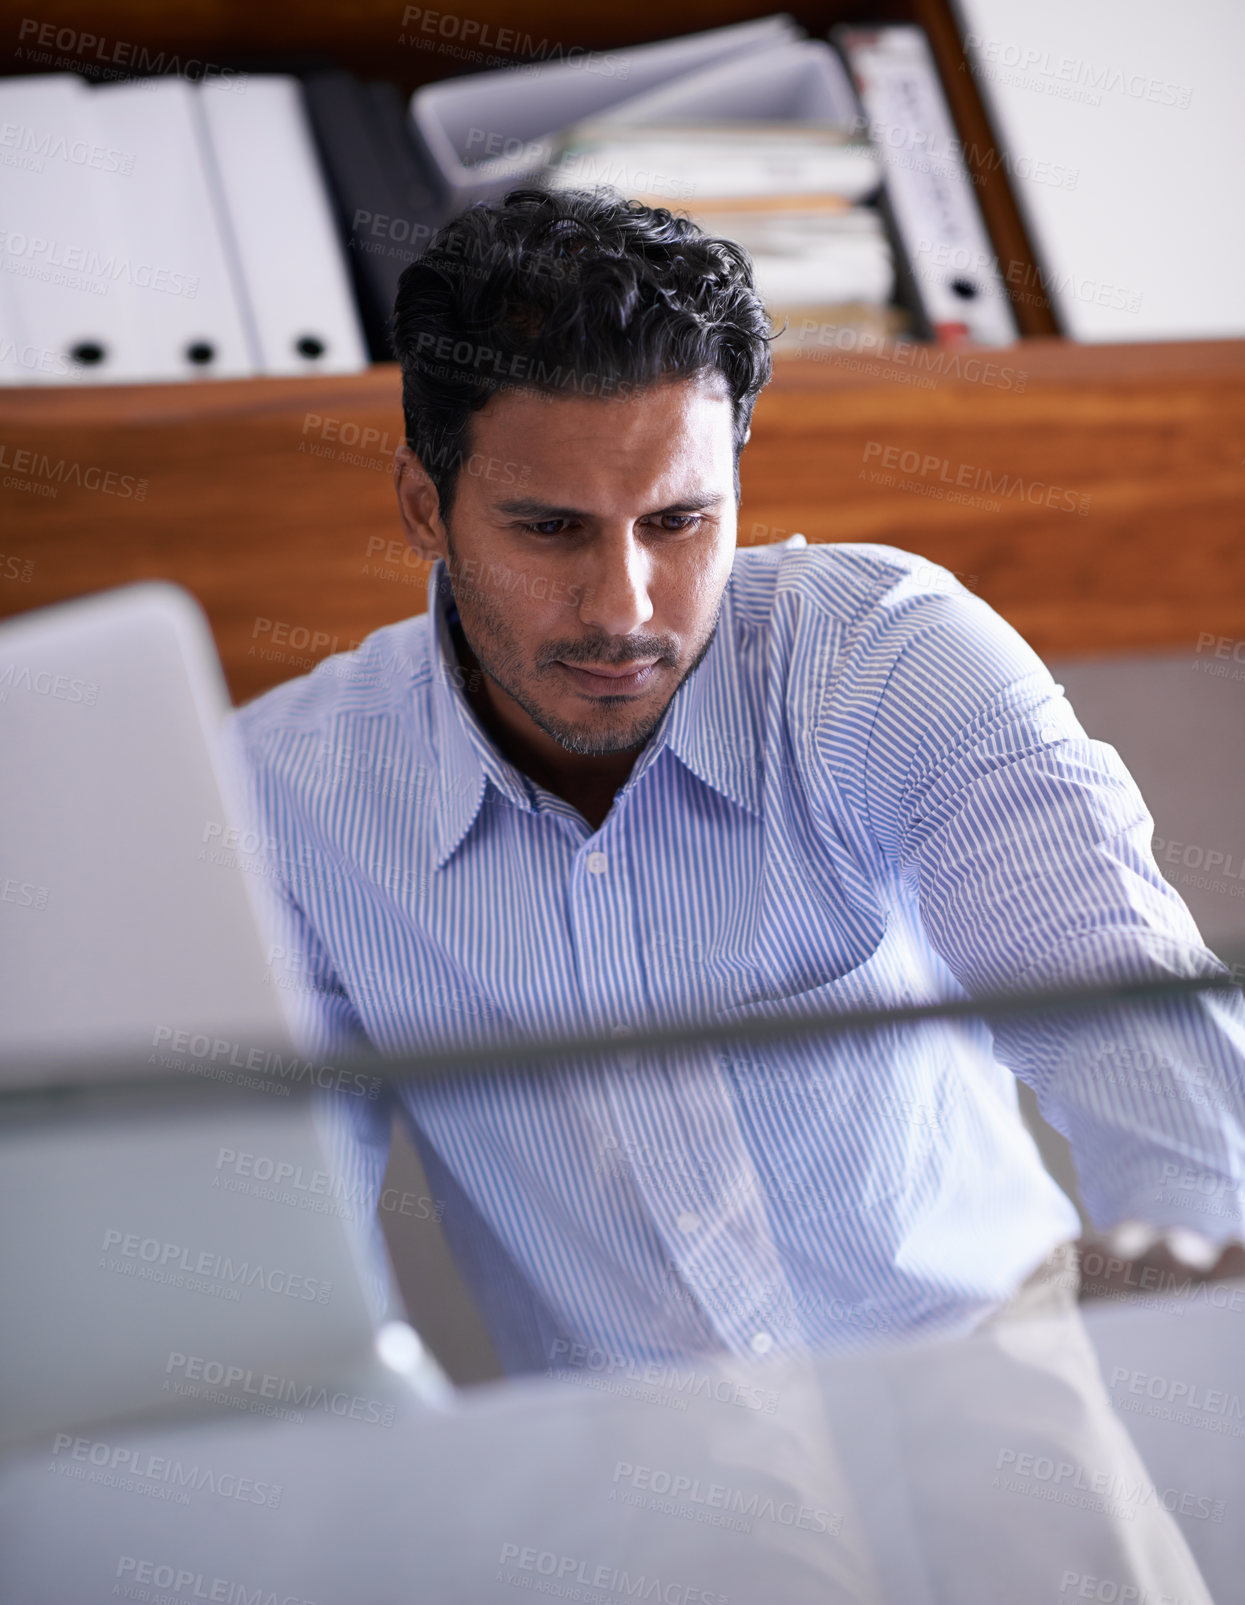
(1108, 1591)
(610, 1579)
(1069, 77)
(1192, 1396)
(43, 144)
(137, 1471)
(566, 1359)
(198, 1376)
(217, 1052)
(282, 1181)
(475, 40)
(90, 50)
(967, 476)
(1069, 1482)
(43, 683)
(179, 1582)
(50, 475)
(172, 1258)
(724, 1497)
(26, 894)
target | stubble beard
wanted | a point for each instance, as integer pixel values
(493, 647)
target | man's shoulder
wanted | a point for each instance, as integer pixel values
(380, 678)
(844, 581)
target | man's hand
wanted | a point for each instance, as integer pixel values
(1136, 1258)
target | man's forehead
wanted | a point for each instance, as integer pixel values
(669, 441)
(584, 502)
(694, 400)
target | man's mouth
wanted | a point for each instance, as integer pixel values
(613, 679)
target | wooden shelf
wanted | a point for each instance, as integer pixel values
(272, 501)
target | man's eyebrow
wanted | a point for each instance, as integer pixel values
(538, 512)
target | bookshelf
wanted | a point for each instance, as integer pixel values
(271, 500)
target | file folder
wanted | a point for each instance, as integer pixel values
(954, 273)
(64, 322)
(178, 286)
(382, 227)
(296, 288)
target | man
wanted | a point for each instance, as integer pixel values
(621, 773)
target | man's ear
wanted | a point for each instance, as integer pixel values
(418, 506)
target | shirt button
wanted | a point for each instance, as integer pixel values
(1049, 733)
(761, 1343)
(688, 1221)
(625, 1060)
(597, 863)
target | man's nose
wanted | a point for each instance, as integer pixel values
(616, 598)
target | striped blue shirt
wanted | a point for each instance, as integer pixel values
(870, 791)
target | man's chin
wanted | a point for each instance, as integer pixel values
(600, 738)
(611, 730)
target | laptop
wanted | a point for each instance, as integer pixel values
(119, 925)
(171, 1235)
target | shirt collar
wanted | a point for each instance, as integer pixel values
(467, 756)
(710, 726)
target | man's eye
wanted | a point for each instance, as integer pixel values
(675, 523)
(547, 526)
(668, 523)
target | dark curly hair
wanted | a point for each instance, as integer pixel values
(569, 291)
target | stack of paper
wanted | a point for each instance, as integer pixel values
(487, 131)
(793, 195)
(714, 162)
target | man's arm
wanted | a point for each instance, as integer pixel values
(354, 1124)
(1029, 847)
